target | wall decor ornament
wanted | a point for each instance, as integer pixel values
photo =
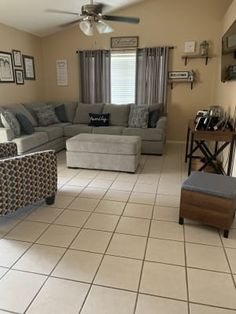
(125, 42)
(19, 74)
(17, 59)
(29, 69)
(6, 69)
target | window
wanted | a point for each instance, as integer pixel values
(123, 77)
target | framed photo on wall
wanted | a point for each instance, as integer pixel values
(19, 74)
(28, 66)
(17, 59)
(6, 69)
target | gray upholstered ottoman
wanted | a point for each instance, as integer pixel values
(209, 198)
(107, 152)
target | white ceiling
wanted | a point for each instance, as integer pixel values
(31, 15)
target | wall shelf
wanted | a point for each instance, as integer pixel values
(172, 82)
(186, 57)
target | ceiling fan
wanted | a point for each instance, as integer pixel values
(91, 14)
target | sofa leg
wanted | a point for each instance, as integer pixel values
(226, 233)
(50, 200)
(181, 220)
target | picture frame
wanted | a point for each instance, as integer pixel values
(17, 58)
(29, 68)
(124, 42)
(19, 75)
(178, 75)
(6, 68)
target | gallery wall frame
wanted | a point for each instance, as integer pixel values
(6, 68)
(19, 75)
(17, 58)
(28, 67)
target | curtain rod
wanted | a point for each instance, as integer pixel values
(170, 47)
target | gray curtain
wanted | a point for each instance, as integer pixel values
(152, 75)
(95, 76)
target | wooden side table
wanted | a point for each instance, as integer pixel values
(199, 139)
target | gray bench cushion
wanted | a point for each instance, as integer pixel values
(151, 134)
(112, 130)
(74, 129)
(106, 144)
(210, 183)
(28, 142)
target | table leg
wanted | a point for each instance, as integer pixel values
(187, 143)
(190, 154)
(231, 155)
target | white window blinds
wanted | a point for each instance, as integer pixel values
(123, 77)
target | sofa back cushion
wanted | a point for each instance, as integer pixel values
(119, 114)
(83, 111)
(31, 106)
(20, 108)
(70, 108)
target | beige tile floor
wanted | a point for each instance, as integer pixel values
(111, 244)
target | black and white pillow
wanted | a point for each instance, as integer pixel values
(99, 119)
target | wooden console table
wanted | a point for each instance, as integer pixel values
(199, 139)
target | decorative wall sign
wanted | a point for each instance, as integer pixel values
(6, 69)
(29, 70)
(62, 72)
(172, 75)
(19, 74)
(17, 60)
(124, 42)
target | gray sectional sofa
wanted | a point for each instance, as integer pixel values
(55, 135)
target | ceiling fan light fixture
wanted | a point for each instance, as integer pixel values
(86, 27)
(103, 28)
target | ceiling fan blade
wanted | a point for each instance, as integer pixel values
(124, 19)
(72, 23)
(61, 12)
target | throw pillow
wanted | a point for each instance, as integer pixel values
(153, 117)
(25, 124)
(9, 121)
(96, 119)
(138, 117)
(46, 115)
(60, 112)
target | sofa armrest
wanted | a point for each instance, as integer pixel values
(161, 123)
(8, 150)
(27, 179)
(6, 134)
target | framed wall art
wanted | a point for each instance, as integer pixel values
(19, 74)
(17, 59)
(124, 42)
(6, 69)
(28, 66)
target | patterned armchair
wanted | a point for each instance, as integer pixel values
(26, 179)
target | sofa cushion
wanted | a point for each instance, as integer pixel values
(60, 112)
(153, 116)
(113, 130)
(53, 132)
(28, 142)
(30, 107)
(99, 119)
(20, 108)
(1, 125)
(74, 129)
(138, 117)
(146, 134)
(83, 110)
(46, 115)
(9, 120)
(70, 108)
(26, 126)
(119, 114)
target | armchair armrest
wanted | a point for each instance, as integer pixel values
(8, 150)
(6, 134)
(27, 179)
(161, 123)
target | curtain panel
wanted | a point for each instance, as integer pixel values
(95, 76)
(152, 76)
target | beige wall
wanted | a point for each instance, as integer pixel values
(163, 22)
(11, 38)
